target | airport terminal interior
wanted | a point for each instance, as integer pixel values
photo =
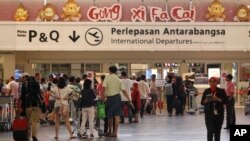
(194, 39)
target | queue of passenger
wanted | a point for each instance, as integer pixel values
(75, 98)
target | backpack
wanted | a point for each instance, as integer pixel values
(33, 91)
(168, 89)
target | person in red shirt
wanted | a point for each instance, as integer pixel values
(100, 89)
(136, 100)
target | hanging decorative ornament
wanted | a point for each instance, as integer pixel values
(242, 14)
(47, 13)
(113, 13)
(71, 11)
(216, 12)
(21, 13)
(139, 16)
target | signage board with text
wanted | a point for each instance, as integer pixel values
(49, 36)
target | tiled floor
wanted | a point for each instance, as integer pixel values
(150, 128)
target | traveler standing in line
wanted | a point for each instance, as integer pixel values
(52, 81)
(231, 119)
(62, 93)
(13, 90)
(23, 93)
(179, 94)
(248, 89)
(136, 100)
(214, 99)
(127, 83)
(1, 86)
(112, 86)
(88, 110)
(45, 96)
(101, 97)
(168, 88)
(78, 79)
(186, 83)
(31, 99)
(154, 93)
(144, 91)
(84, 76)
(77, 90)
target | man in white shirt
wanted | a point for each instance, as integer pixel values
(154, 93)
(144, 91)
(13, 88)
(127, 83)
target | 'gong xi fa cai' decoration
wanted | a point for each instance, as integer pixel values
(71, 11)
(216, 12)
(242, 14)
(21, 13)
(47, 13)
(114, 13)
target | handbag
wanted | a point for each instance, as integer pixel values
(101, 113)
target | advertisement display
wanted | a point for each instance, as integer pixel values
(213, 72)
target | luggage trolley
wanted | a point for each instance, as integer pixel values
(247, 105)
(6, 113)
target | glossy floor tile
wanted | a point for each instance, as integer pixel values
(150, 128)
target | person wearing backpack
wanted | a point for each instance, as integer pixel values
(31, 100)
(168, 90)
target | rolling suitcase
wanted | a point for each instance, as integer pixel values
(191, 102)
(20, 129)
(20, 126)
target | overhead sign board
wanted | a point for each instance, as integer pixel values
(125, 37)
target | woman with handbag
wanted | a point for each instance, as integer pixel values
(62, 93)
